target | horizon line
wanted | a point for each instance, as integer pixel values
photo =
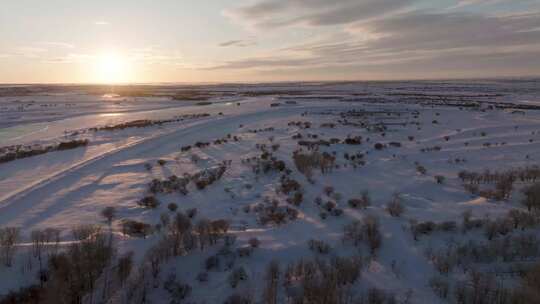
(266, 82)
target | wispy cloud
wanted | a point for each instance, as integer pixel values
(415, 37)
(57, 44)
(281, 13)
(238, 43)
(101, 23)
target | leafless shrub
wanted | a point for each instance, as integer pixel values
(440, 286)
(289, 185)
(270, 292)
(493, 228)
(444, 261)
(212, 262)
(149, 202)
(364, 231)
(418, 228)
(238, 299)
(521, 219)
(202, 277)
(318, 246)
(470, 223)
(379, 296)
(191, 213)
(172, 207)
(135, 228)
(254, 242)
(321, 282)
(125, 265)
(238, 275)
(305, 163)
(532, 197)
(329, 206)
(169, 185)
(395, 206)
(296, 199)
(481, 288)
(73, 273)
(277, 214)
(439, 179)
(244, 251)
(109, 213)
(529, 289)
(177, 290)
(362, 203)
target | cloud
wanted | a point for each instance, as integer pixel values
(30, 51)
(281, 13)
(237, 43)
(57, 44)
(424, 31)
(70, 58)
(429, 40)
(101, 23)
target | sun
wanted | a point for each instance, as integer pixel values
(111, 67)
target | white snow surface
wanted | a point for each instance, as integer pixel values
(68, 188)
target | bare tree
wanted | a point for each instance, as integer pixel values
(272, 282)
(125, 264)
(109, 213)
(8, 238)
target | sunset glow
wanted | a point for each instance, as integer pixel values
(112, 67)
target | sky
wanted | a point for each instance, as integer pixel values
(186, 41)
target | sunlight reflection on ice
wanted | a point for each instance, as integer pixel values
(111, 114)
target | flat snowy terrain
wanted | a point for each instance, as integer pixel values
(385, 176)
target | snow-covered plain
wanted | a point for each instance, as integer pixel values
(475, 125)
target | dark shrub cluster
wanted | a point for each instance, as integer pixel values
(319, 246)
(149, 202)
(300, 124)
(357, 140)
(428, 227)
(431, 149)
(305, 163)
(170, 185)
(135, 228)
(177, 290)
(363, 202)
(11, 153)
(274, 213)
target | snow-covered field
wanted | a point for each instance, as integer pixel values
(401, 143)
